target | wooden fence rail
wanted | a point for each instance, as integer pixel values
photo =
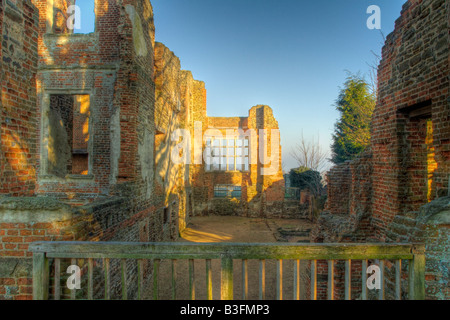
(228, 253)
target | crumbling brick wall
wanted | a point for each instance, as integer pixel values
(413, 85)
(339, 185)
(262, 194)
(174, 104)
(87, 123)
(406, 168)
(113, 66)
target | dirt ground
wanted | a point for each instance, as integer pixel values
(234, 229)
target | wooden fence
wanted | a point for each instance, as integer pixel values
(228, 253)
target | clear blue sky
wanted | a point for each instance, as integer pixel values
(289, 54)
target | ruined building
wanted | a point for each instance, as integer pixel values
(398, 190)
(87, 137)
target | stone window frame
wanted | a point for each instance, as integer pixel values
(44, 175)
(50, 21)
(211, 156)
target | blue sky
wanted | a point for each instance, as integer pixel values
(289, 54)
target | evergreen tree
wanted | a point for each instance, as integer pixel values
(355, 103)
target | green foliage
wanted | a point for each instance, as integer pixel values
(355, 103)
(306, 179)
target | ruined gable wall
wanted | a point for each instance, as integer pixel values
(261, 195)
(204, 181)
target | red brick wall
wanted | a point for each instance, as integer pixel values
(388, 186)
(112, 69)
(19, 113)
(14, 241)
(339, 188)
(392, 177)
(261, 195)
(413, 70)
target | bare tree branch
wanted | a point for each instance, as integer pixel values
(309, 154)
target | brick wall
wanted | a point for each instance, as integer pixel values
(19, 113)
(262, 195)
(413, 74)
(339, 185)
(111, 70)
(86, 129)
(385, 194)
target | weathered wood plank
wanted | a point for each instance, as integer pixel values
(73, 292)
(398, 279)
(330, 279)
(174, 279)
(364, 280)
(40, 276)
(191, 280)
(417, 274)
(279, 279)
(217, 255)
(262, 279)
(90, 279)
(156, 263)
(106, 264)
(214, 251)
(314, 280)
(57, 280)
(123, 269)
(296, 294)
(140, 280)
(209, 290)
(244, 279)
(381, 292)
(348, 279)
(226, 289)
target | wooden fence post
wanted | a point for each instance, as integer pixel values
(417, 273)
(40, 276)
(226, 289)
